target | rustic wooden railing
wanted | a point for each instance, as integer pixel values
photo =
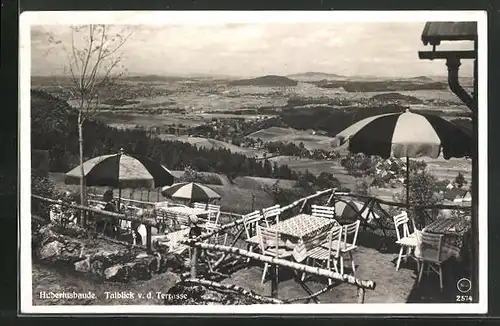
(148, 222)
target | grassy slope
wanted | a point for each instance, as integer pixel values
(210, 144)
(293, 135)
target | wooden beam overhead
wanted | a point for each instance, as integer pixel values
(431, 55)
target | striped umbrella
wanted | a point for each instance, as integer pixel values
(407, 134)
(191, 191)
(349, 209)
(121, 171)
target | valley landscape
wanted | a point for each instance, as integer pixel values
(242, 115)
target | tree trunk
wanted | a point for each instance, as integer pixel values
(83, 197)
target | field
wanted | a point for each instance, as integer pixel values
(311, 141)
(207, 143)
(261, 183)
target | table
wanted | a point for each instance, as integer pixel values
(296, 228)
(172, 240)
(453, 230)
(179, 214)
(301, 225)
(184, 210)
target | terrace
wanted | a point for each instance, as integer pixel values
(219, 261)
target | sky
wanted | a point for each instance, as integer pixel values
(256, 49)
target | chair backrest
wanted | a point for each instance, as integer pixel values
(250, 222)
(271, 214)
(318, 237)
(351, 233)
(214, 213)
(214, 208)
(334, 240)
(213, 217)
(177, 219)
(202, 206)
(323, 211)
(269, 241)
(401, 225)
(428, 246)
(216, 239)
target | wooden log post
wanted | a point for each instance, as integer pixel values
(361, 295)
(194, 262)
(149, 248)
(274, 281)
(194, 233)
(303, 206)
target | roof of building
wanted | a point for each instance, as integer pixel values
(435, 32)
(453, 193)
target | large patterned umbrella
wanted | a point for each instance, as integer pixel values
(191, 191)
(121, 171)
(407, 134)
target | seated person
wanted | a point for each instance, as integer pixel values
(106, 224)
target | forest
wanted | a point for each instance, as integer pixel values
(54, 128)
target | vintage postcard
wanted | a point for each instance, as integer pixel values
(253, 162)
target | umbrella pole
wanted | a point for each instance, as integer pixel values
(119, 197)
(408, 182)
(408, 192)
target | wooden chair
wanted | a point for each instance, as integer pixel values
(271, 245)
(214, 213)
(271, 215)
(220, 239)
(349, 244)
(329, 254)
(202, 206)
(215, 208)
(323, 211)
(407, 240)
(428, 252)
(250, 222)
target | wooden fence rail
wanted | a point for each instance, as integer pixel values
(149, 203)
(305, 199)
(148, 222)
(365, 284)
(403, 205)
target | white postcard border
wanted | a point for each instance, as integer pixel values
(27, 19)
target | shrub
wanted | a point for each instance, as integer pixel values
(44, 187)
(460, 180)
(192, 176)
(360, 164)
(424, 190)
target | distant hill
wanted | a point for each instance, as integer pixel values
(155, 78)
(393, 96)
(269, 80)
(315, 76)
(422, 78)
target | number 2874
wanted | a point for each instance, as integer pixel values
(463, 298)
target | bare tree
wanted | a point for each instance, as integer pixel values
(94, 60)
